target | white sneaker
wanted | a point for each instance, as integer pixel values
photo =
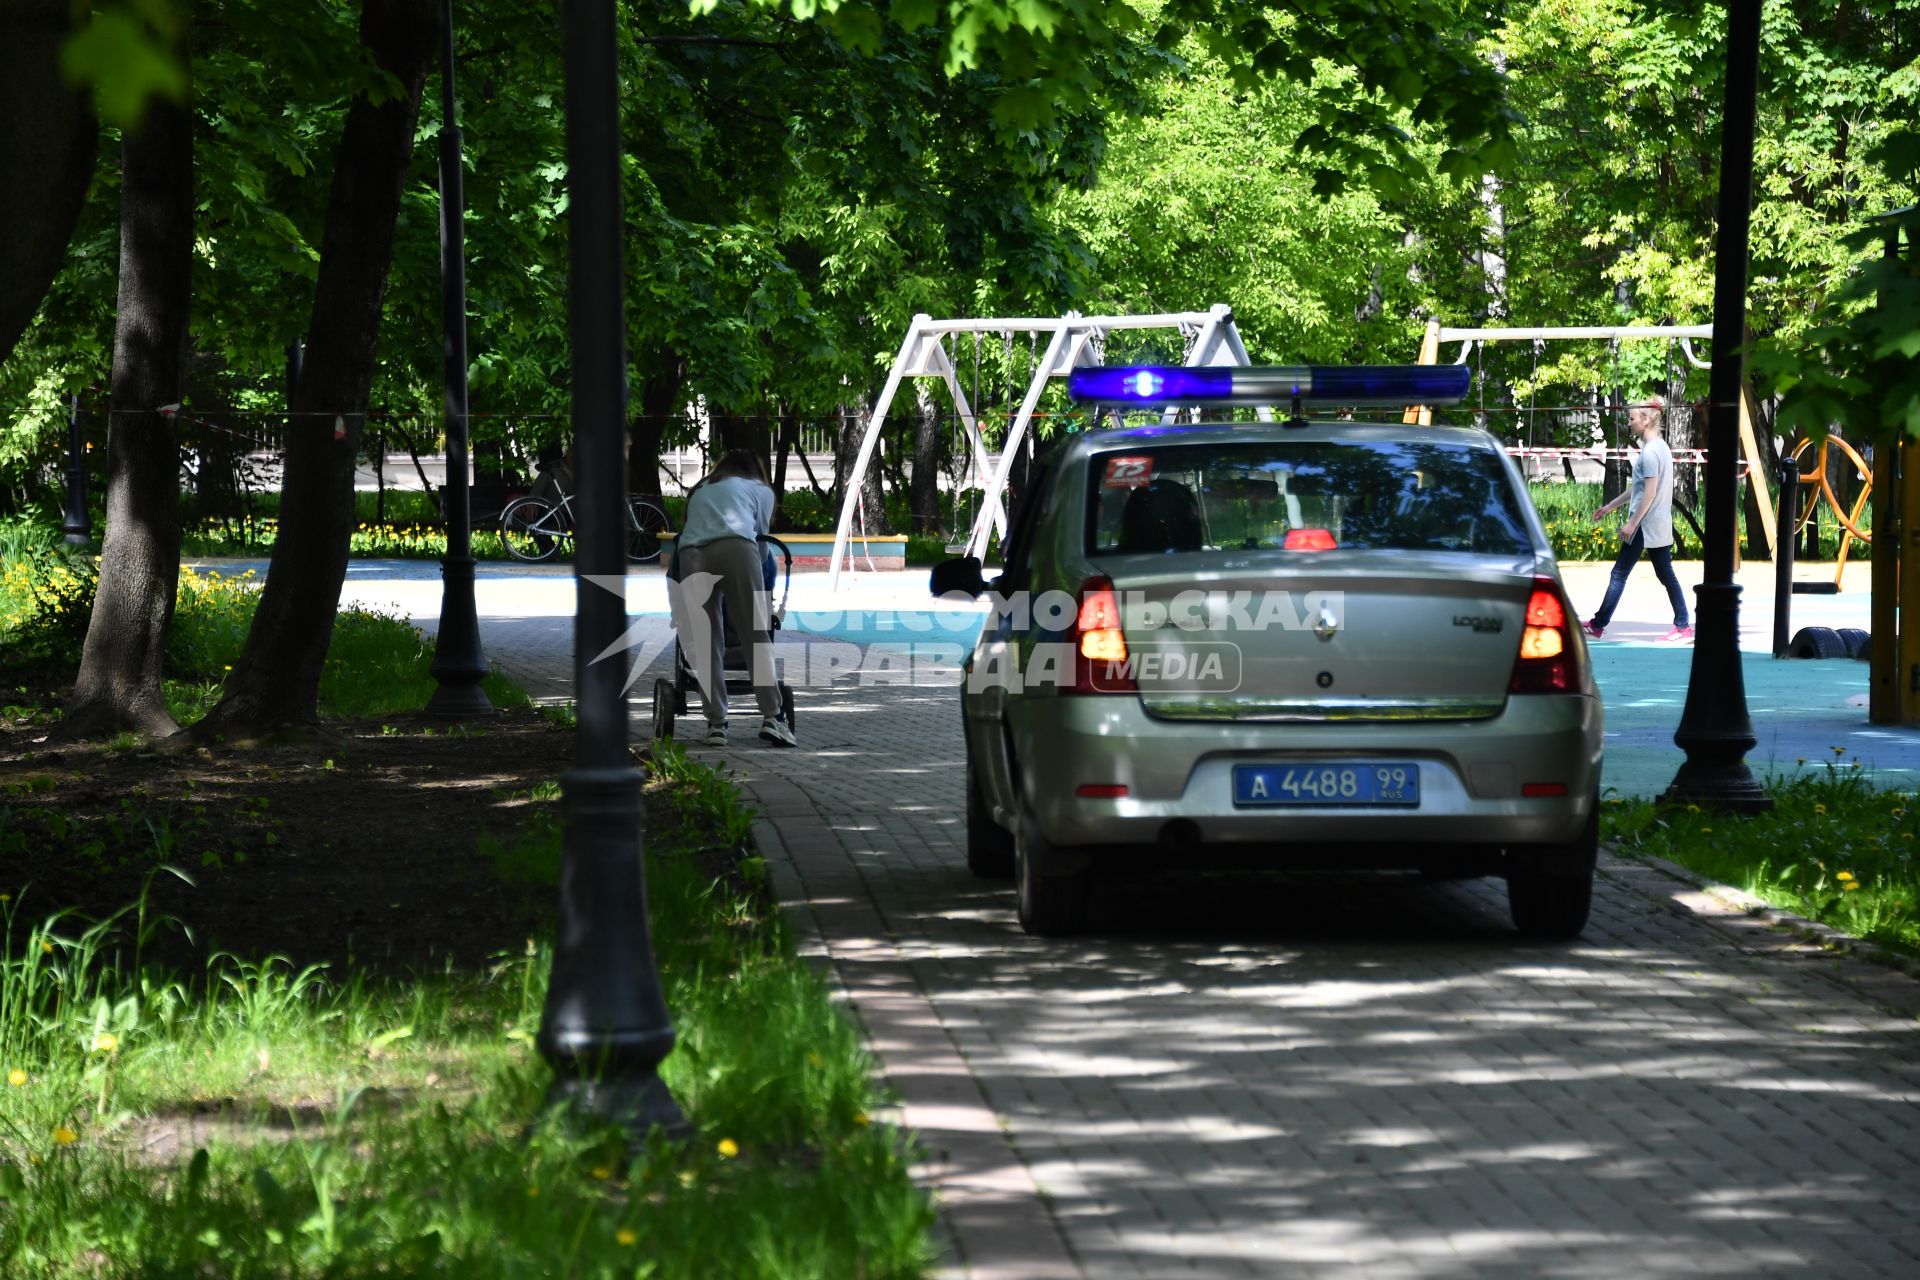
(716, 735)
(777, 732)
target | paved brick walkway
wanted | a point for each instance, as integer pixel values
(1334, 1076)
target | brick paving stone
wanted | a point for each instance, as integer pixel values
(1342, 1076)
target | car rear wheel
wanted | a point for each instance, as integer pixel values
(1550, 889)
(1050, 904)
(989, 845)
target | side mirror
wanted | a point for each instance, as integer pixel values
(960, 574)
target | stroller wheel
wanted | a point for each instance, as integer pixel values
(786, 702)
(664, 697)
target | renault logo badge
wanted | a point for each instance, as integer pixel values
(1327, 625)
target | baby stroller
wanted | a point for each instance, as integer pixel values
(670, 696)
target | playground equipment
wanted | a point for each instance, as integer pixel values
(1816, 486)
(1074, 340)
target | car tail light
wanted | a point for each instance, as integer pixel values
(1548, 661)
(1100, 662)
(1102, 790)
(1539, 790)
(1308, 540)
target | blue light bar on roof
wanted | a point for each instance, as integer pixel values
(1350, 384)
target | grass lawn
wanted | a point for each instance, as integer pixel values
(272, 1013)
(1834, 849)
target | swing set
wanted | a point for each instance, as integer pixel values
(1073, 341)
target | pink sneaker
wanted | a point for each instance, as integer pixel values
(1679, 633)
(1590, 629)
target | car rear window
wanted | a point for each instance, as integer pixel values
(1305, 495)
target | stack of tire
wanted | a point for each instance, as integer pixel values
(1828, 642)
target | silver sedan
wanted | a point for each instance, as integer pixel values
(1303, 644)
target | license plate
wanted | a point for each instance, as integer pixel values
(1372, 782)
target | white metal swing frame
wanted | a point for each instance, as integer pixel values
(1075, 341)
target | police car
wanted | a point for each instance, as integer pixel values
(1306, 641)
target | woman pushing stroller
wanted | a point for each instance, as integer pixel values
(720, 559)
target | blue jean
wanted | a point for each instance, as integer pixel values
(1662, 558)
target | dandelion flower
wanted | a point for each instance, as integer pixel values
(1839, 751)
(46, 948)
(601, 1173)
(728, 1148)
(1852, 885)
(1706, 831)
(860, 1118)
(64, 1137)
(626, 1236)
(6, 897)
(16, 1077)
(1843, 875)
(1819, 808)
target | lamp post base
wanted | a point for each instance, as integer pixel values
(458, 666)
(1715, 731)
(637, 1105)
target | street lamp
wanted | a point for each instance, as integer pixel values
(77, 527)
(605, 1027)
(458, 665)
(1715, 730)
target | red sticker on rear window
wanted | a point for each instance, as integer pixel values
(1129, 473)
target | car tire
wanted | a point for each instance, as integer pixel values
(1049, 905)
(989, 845)
(1550, 889)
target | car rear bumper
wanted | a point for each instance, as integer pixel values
(1179, 775)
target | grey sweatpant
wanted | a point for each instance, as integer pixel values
(725, 569)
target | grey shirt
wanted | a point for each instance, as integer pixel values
(1654, 463)
(735, 507)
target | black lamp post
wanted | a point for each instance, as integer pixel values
(76, 527)
(1715, 730)
(605, 1027)
(458, 665)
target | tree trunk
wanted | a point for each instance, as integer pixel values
(871, 515)
(923, 493)
(120, 668)
(276, 682)
(659, 397)
(48, 143)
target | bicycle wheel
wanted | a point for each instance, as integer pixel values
(532, 529)
(645, 524)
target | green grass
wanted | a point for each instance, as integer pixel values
(1834, 849)
(395, 1127)
(376, 664)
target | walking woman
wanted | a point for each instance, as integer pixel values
(726, 513)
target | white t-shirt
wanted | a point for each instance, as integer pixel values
(735, 507)
(1654, 463)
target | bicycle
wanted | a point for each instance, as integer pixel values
(534, 528)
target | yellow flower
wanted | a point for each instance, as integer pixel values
(106, 1042)
(601, 1173)
(533, 1191)
(1843, 875)
(46, 948)
(813, 1059)
(728, 1148)
(1851, 885)
(16, 1077)
(1839, 751)
(64, 1137)
(626, 1236)
(1693, 808)
(6, 897)
(1706, 831)
(1819, 808)
(860, 1118)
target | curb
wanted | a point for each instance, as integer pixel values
(1888, 978)
(996, 1224)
